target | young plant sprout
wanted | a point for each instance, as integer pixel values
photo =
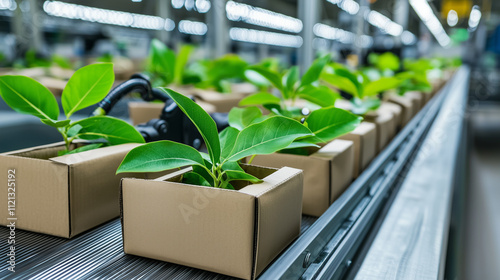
(87, 86)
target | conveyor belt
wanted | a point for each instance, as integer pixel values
(96, 254)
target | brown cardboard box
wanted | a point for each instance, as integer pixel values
(243, 88)
(233, 232)
(418, 97)
(385, 122)
(397, 111)
(223, 102)
(56, 86)
(142, 112)
(364, 139)
(63, 195)
(327, 173)
(407, 106)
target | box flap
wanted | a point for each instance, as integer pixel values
(93, 154)
(22, 151)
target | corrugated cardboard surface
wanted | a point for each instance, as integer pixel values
(142, 112)
(364, 139)
(236, 233)
(64, 196)
(327, 173)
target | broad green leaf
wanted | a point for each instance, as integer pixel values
(260, 98)
(330, 123)
(322, 95)
(27, 96)
(256, 79)
(388, 61)
(81, 149)
(240, 118)
(361, 107)
(233, 175)
(162, 59)
(232, 165)
(290, 80)
(160, 156)
(273, 77)
(55, 123)
(194, 178)
(115, 131)
(314, 72)
(267, 137)
(304, 143)
(376, 87)
(202, 120)
(88, 86)
(227, 138)
(180, 62)
(341, 83)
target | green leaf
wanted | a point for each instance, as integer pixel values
(290, 80)
(267, 137)
(330, 123)
(56, 124)
(193, 178)
(322, 95)
(115, 131)
(383, 84)
(81, 149)
(305, 143)
(227, 138)
(314, 72)
(27, 96)
(180, 62)
(162, 60)
(160, 156)
(260, 98)
(88, 86)
(240, 118)
(232, 165)
(341, 83)
(233, 175)
(202, 120)
(361, 107)
(204, 173)
(271, 76)
(388, 61)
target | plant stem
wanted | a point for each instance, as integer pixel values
(251, 159)
(67, 142)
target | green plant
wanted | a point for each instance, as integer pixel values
(363, 91)
(219, 73)
(165, 66)
(220, 166)
(62, 62)
(291, 88)
(326, 124)
(86, 87)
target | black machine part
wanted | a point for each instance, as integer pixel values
(172, 124)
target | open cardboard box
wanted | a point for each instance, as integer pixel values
(328, 171)
(233, 232)
(223, 102)
(63, 195)
(418, 98)
(407, 105)
(364, 139)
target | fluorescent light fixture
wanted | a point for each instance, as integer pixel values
(408, 38)
(73, 11)
(192, 27)
(262, 17)
(384, 23)
(8, 5)
(424, 11)
(475, 17)
(452, 18)
(201, 6)
(137, 1)
(332, 33)
(265, 37)
(349, 6)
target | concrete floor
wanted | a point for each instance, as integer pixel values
(482, 224)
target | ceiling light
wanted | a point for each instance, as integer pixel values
(262, 17)
(349, 6)
(452, 18)
(424, 11)
(475, 17)
(264, 37)
(192, 27)
(384, 23)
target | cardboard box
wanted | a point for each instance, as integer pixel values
(243, 88)
(406, 104)
(63, 195)
(364, 139)
(223, 102)
(397, 111)
(418, 98)
(233, 232)
(142, 112)
(56, 86)
(327, 173)
(385, 122)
